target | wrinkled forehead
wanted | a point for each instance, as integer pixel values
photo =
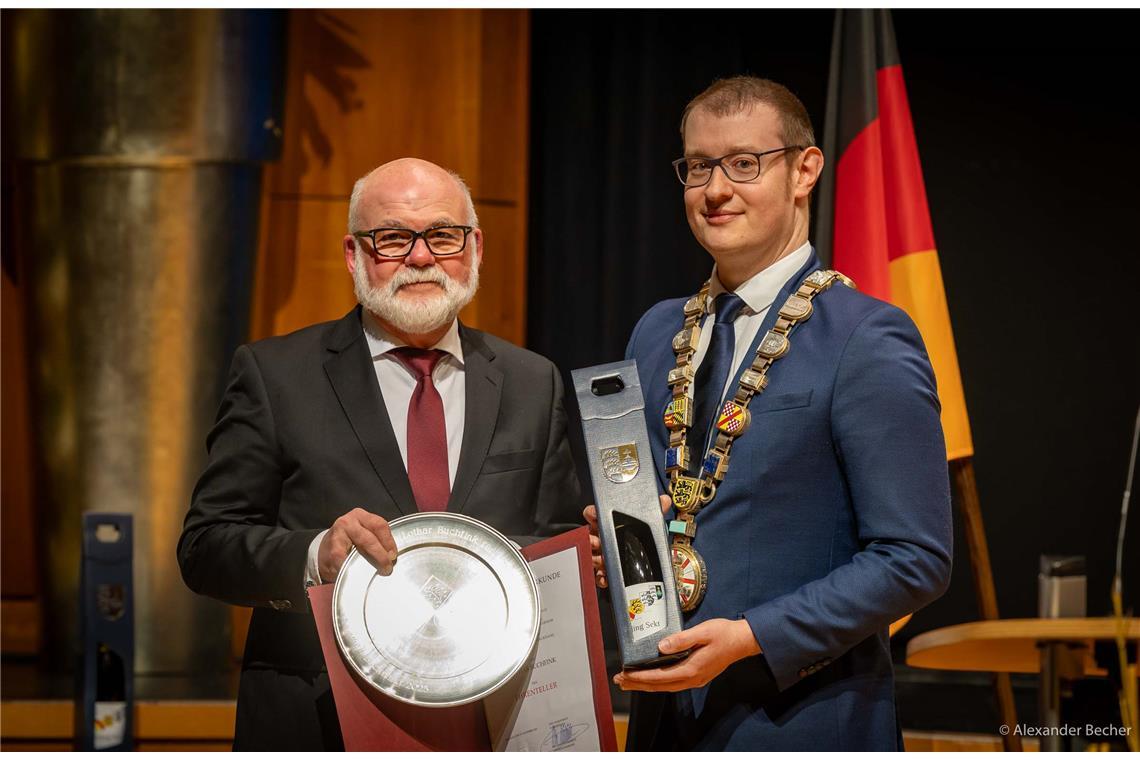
(412, 199)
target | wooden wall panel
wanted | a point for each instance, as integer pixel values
(505, 108)
(18, 558)
(501, 197)
(500, 306)
(20, 614)
(21, 626)
(302, 278)
(369, 86)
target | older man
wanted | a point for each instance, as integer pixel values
(326, 434)
(797, 429)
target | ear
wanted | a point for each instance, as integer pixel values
(350, 253)
(808, 171)
(478, 235)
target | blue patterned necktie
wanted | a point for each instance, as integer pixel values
(713, 373)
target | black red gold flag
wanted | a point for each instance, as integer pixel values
(873, 221)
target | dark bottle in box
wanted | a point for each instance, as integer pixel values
(110, 698)
(641, 577)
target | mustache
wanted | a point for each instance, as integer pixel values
(412, 276)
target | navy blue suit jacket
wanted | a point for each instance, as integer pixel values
(832, 522)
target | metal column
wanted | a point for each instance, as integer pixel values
(139, 137)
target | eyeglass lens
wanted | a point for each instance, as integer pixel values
(741, 167)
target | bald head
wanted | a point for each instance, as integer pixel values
(407, 183)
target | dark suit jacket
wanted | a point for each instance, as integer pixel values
(833, 520)
(302, 436)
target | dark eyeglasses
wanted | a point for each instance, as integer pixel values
(397, 242)
(695, 171)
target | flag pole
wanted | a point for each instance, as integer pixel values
(966, 486)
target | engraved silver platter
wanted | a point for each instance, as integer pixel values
(454, 621)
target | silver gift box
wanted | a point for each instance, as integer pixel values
(625, 484)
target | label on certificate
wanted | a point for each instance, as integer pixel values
(557, 712)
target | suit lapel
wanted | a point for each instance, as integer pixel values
(657, 396)
(484, 391)
(790, 287)
(349, 369)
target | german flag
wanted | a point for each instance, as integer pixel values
(873, 220)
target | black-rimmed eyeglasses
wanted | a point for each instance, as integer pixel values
(397, 242)
(694, 171)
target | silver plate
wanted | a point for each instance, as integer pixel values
(454, 621)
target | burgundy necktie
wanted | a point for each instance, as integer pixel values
(427, 434)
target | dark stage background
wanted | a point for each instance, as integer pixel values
(1027, 136)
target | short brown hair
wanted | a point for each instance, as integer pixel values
(735, 94)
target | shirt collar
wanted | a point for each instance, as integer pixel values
(380, 341)
(760, 290)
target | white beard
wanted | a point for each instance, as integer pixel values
(414, 315)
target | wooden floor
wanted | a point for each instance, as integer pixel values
(159, 726)
(207, 726)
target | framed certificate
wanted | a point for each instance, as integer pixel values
(566, 705)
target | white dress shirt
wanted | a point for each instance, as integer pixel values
(758, 292)
(396, 385)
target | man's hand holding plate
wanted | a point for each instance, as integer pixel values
(370, 535)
